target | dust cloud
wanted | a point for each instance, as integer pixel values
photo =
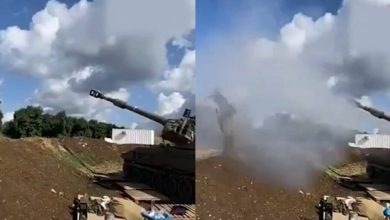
(293, 93)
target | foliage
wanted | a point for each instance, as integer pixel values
(1, 119)
(9, 129)
(32, 121)
(29, 121)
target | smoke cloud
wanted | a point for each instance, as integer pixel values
(293, 94)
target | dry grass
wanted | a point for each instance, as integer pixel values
(351, 169)
(107, 167)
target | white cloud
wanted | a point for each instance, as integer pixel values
(180, 82)
(180, 78)
(121, 94)
(303, 29)
(379, 2)
(365, 101)
(8, 116)
(181, 42)
(332, 81)
(169, 104)
(104, 45)
(56, 95)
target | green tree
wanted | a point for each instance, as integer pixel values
(29, 121)
(9, 129)
(47, 126)
(67, 123)
(108, 129)
(98, 129)
(80, 127)
(61, 125)
(1, 120)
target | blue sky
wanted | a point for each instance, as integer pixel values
(16, 87)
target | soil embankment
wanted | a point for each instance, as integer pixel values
(39, 179)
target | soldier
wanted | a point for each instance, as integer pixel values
(225, 113)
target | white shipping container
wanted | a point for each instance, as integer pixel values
(133, 136)
(372, 140)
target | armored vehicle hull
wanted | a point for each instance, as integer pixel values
(375, 149)
(378, 164)
(168, 169)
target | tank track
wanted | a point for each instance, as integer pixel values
(378, 172)
(178, 187)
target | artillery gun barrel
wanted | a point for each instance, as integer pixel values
(121, 104)
(373, 111)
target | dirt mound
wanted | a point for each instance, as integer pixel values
(38, 182)
(97, 155)
(226, 190)
(96, 149)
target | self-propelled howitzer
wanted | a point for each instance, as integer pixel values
(181, 131)
(168, 169)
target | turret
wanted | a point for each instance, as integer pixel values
(181, 132)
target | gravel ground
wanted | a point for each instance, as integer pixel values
(225, 190)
